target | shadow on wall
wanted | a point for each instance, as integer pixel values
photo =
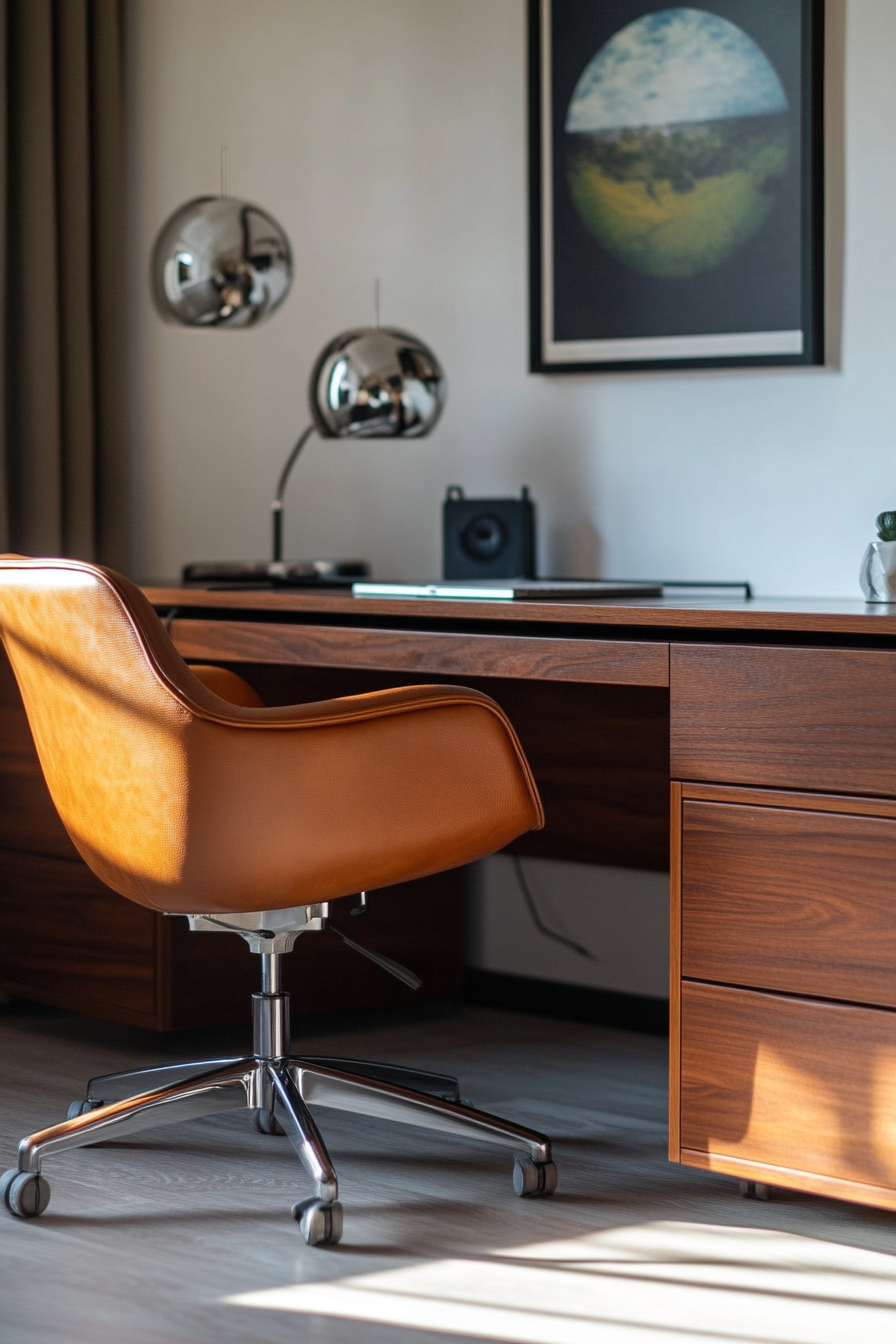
(621, 915)
(574, 550)
(559, 474)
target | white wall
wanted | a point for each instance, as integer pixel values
(619, 916)
(388, 136)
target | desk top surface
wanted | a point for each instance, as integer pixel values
(825, 616)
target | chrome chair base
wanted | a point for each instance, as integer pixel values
(280, 1087)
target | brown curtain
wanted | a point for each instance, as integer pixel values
(64, 477)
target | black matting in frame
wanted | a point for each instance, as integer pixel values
(676, 184)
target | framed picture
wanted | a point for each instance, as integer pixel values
(675, 184)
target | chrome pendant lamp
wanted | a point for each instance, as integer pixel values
(220, 262)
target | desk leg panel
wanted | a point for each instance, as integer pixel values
(67, 940)
(675, 976)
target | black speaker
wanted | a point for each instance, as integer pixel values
(488, 538)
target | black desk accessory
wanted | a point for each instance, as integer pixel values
(488, 538)
(249, 574)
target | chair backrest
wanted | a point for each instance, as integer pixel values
(108, 730)
(184, 802)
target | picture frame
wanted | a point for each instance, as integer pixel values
(676, 178)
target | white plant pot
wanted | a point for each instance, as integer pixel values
(878, 573)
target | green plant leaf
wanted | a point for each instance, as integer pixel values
(886, 525)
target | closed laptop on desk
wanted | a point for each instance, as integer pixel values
(508, 590)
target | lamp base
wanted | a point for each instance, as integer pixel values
(274, 573)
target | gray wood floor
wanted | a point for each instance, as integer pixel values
(155, 1239)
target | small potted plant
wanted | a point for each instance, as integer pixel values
(878, 573)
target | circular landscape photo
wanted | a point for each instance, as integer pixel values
(677, 142)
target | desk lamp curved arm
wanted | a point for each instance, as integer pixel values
(277, 505)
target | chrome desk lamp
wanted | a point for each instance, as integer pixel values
(367, 383)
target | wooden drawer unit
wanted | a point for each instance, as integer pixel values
(783, 988)
(789, 1091)
(787, 718)
(788, 897)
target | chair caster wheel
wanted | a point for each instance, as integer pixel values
(26, 1195)
(266, 1122)
(753, 1190)
(320, 1222)
(532, 1179)
(82, 1108)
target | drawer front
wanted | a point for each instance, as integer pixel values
(789, 1083)
(798, 901)
(600, 662)
(787, 718)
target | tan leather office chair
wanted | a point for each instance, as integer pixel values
(184, 793)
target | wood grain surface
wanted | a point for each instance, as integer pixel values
(28, 819)
(822, 719)
(675, 974)
(789, 1082)
(781, 1179)
(617, 662)
(783, 615)
(66, 939)
(803, 902)
(600, 755)
(812, 802)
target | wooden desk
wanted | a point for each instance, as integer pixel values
(774, 723)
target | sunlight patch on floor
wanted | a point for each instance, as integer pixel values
(628, 1284)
